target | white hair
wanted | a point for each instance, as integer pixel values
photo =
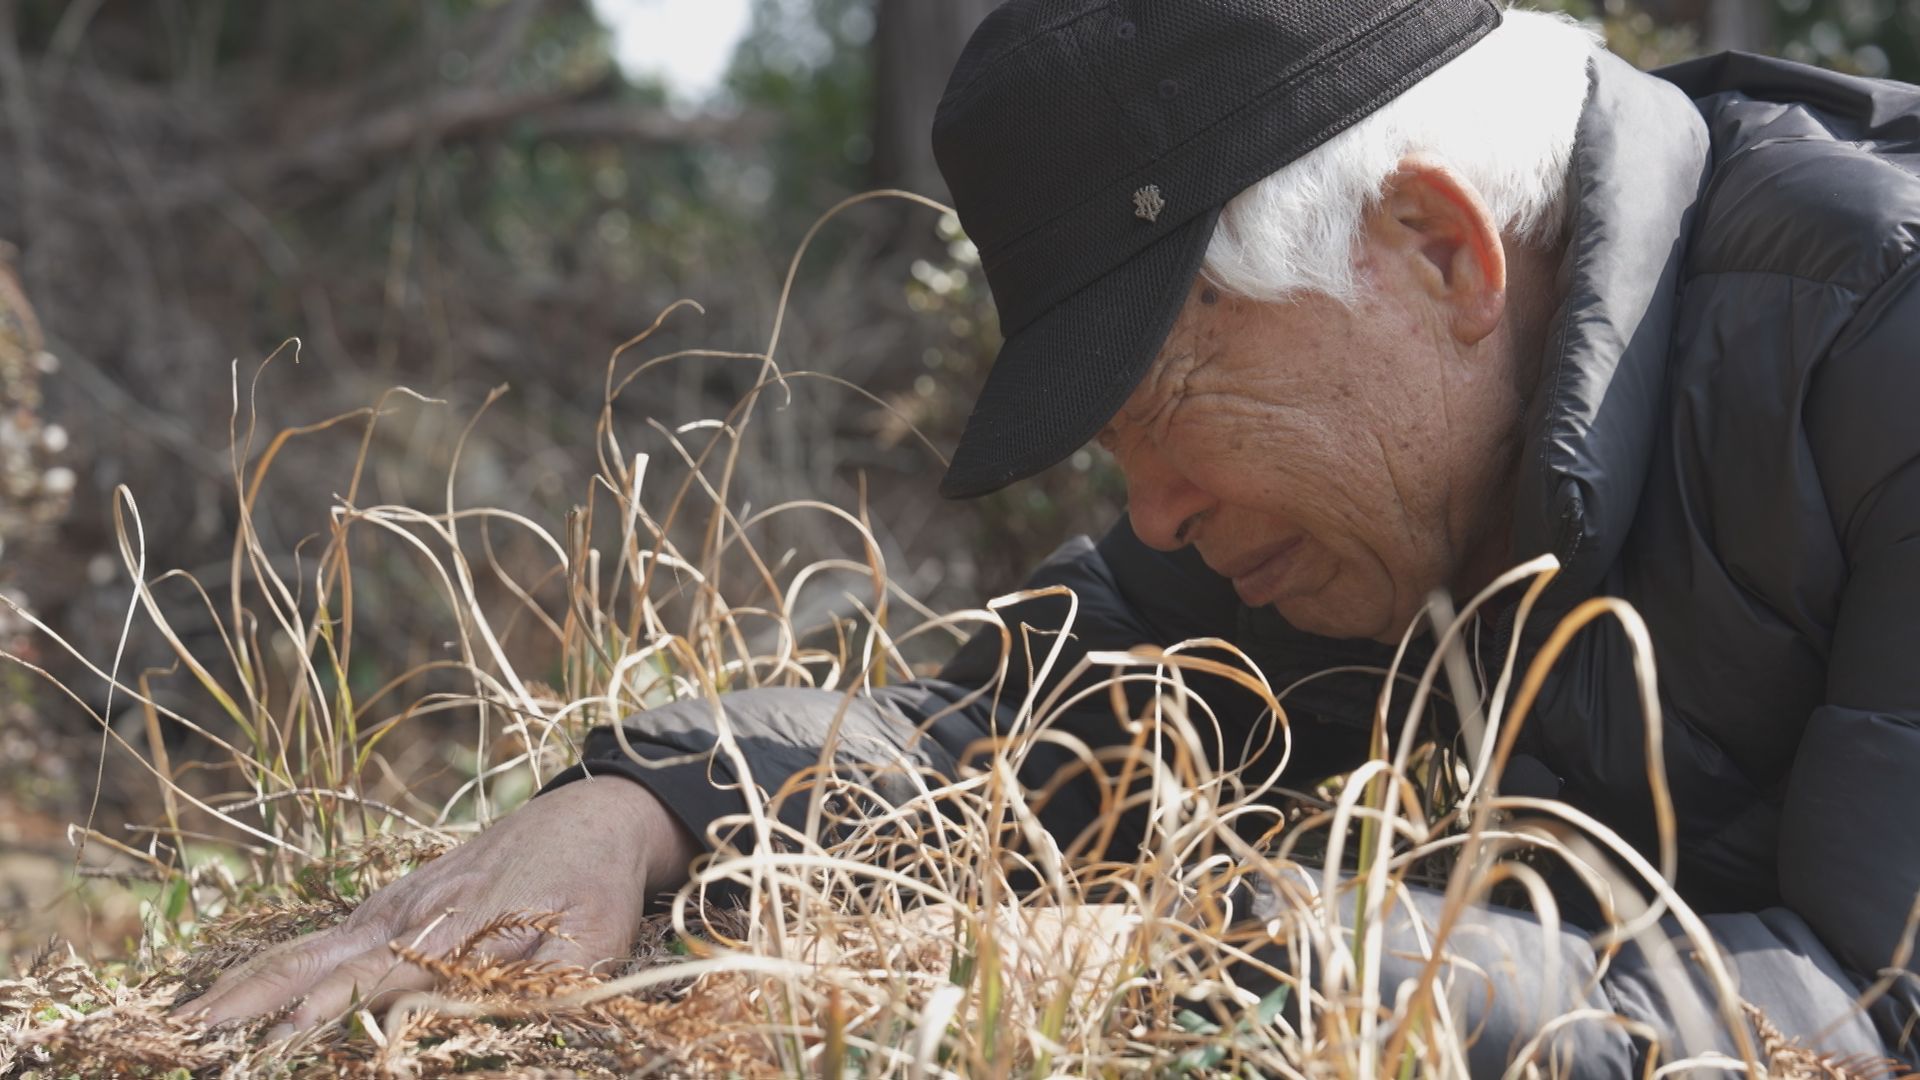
(1502, 114)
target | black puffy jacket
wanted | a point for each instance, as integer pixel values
(1725, 436)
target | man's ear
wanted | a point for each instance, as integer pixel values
(1435, 220)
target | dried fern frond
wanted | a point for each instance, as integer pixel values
(1789, 1060)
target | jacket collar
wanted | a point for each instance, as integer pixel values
(1640, 161)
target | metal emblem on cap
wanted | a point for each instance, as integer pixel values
(1147, 203)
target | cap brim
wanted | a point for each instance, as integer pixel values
(1061, 378)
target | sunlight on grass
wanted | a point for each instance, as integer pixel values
(889, 936)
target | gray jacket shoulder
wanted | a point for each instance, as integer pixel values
(1816, 175)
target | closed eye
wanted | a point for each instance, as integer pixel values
(1178, 372)
(1151, 408)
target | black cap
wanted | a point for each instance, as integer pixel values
(1089, 146)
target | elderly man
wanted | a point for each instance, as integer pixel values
(1373, 298)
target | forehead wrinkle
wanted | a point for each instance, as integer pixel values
(1160, 382)
(1173, 393)
(1165, 386)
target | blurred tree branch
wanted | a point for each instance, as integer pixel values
(915, 45)
(503, 35)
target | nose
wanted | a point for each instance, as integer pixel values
(1163, 505)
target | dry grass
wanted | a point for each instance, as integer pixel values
(900, 946)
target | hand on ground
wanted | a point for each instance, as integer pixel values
(589, 852)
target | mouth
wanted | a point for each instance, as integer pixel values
(1261, 577)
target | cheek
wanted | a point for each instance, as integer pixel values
(1316, 467)
(1250, 458)
(1324, 449)
(1354, 494)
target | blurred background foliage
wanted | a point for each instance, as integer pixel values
(454, 195)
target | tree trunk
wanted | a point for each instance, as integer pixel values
(1740, 24)
(1723, 24)
(915, 45)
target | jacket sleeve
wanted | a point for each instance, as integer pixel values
(1127, 595)
(1850, 835)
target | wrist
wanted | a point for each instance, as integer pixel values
(638, 823)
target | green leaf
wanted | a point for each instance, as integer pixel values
(1271, 1005)
(1194, 1022)
(178, 895)
(1202, 1059)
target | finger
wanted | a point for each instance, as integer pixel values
(378, 975)
(277, 976)
(202, 1004)
(365, 981)
(557, 951)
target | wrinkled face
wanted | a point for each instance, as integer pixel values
(1335, 463)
